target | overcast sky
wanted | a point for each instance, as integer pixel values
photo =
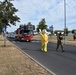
(52, 10)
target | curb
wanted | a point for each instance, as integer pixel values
(34, 59)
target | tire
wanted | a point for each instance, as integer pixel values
(29, 40)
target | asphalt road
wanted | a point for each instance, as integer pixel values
(61, 63)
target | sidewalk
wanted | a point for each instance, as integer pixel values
(14, 62)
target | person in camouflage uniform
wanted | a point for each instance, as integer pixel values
(59, 41)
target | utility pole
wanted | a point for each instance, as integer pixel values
(65, 21)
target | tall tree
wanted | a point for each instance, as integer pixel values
(66, 29)
(29, 23)
(56, 32)
(31, 26)
(73, 31)
(42, 25)
(7, 11)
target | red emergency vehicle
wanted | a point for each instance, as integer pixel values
(25, 33)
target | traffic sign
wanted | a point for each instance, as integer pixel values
(3, 28)
(51, 27)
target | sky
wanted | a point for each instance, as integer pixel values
(52, 10)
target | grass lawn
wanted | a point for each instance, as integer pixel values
(69, 39)
(15, 62)
(53, 38)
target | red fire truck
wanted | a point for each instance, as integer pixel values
(25, 32)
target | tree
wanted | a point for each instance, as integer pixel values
(7, 14)
(42, 25)
(56, 32)
(31, 26)
(29, 23)
(73, 31)
(66, 29)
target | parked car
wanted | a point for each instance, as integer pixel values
(8, 35)
(11, 35)
(36, 33)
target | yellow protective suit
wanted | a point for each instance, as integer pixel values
(44, 41)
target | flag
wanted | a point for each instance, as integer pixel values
(51, 27)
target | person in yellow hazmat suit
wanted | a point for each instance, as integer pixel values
(44, 41)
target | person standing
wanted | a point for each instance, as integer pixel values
(74, 36)
(44, 37)
(59, 41)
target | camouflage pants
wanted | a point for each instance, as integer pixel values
(59, 43)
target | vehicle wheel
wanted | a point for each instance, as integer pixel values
(29, 40)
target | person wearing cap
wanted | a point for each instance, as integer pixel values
(44, 37)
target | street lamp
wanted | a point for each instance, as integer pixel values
(65, 20)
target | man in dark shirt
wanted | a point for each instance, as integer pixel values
(59, 41)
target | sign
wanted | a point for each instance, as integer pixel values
(51, 27)
(3, 28)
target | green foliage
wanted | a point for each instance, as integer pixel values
(55, 32)
(66, 31)
(7, 13)
(42, 25)
(0, 27)
(73, 31)
(29, 23)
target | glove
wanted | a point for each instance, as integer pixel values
(39, 30)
